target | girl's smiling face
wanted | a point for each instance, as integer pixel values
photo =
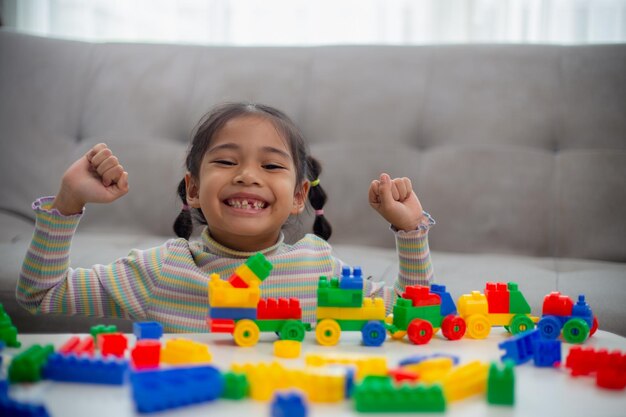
(247, 184)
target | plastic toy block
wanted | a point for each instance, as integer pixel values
(287, 348)
(432, 370)
(183, 351)
(330, 295)
(146, 354)
(72, 368)
(517, 302)
(547, 353)
(112, 344)
(158, 390)
(255, 270)
(447, 303)
(27, 366)
(220, 325)
(237, 282)
(519, 348)
(420, 358)
(404, 313)
(222, 294)
(365, 365)
(372, 309)
(76, 346)
(281, 308)
(236, 386)
(8, 332)
(351, 279)
(610, 378)
(586, 361)
(9, 407)
(101, 329)
(501, 384)
(472, 303)
(288, 404)
(4, 388)
(421, 296)
(147, 330)
(376, 394)
(259, 265)
(232, 313)
(325, 385)
(403, 375)
(557, 305)
(581, 309)
(497, 297)
(465, 381)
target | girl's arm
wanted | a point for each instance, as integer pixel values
(48, 285)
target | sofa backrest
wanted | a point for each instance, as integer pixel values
(512, 148)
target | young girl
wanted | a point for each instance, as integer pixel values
(248, 171)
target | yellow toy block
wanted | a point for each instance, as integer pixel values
(474, 303)
(465, 381)
(325, 385)
(222, 294)
(287, 348)
(184, 352)
(245, 273)
(431, 370)
(371, 310)
(365, 365)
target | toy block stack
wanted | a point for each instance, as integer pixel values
(344, 292)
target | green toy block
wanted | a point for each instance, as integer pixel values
(27, 366)
(236, 386)
(259, 265)
(278, 326)
(501, 384)
(379, 394)
(330, 295)
(101, 329)
(404, 313)
(8, 332)
(352, 325)
(517, 302)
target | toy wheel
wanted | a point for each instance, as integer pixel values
(398, 334)
(453, 327)
(246, 333)
(327, 332)
(292, 330)
(594, 326)
(521, 323)
(478, 327)
(420, 331)
(549, 327)
(374, 333)
(575, 331)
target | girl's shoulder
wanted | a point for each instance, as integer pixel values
(311, 242)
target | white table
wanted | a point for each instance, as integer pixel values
(539, 391)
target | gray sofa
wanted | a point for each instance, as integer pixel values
(518, 151)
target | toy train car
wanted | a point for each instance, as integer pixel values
(560, 315)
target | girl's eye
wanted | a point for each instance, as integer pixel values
(272, 167)
(224, 162)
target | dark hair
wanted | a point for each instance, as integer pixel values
(305, 165)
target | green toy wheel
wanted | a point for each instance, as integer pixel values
(521, 323)
(292, 330)
(575, 331)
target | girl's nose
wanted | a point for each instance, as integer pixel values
(246, 176)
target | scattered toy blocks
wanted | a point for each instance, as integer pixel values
(287, 348)
(146, 354)
(183, 352)
(147, 330)
(378, 394)
(520, 348)
(465, 381)
(8, 332)
(236, 386)
(501, 384)
(76, 346)
(28, 365)
(608, 367)
(72, 368)
(112, 344)
(288, 404)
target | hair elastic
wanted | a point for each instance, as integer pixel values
(315, 183)
(185, 207)
(319, 212)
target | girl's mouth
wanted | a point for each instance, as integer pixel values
(246, 203)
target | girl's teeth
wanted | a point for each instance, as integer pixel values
(245, 204)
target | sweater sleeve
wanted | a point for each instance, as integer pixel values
(47, 284)
(415, 266)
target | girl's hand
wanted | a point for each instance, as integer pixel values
(396, 202)
(97, 177)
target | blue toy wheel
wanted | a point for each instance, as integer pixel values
(374, 333)
(549, 327)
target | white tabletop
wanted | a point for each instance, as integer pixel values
(539, 391)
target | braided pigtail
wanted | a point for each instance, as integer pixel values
(183, 225)
(317, 198)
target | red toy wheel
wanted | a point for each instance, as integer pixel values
(453, 327)
(594, 326)
(420, 331)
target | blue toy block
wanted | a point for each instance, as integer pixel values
(350, 381)
(547, 352)
(411, 360)
(351, 279)
(232, 313)
(288, 404)
(147, 330)
(4, 388)
(12, 408)
(582, 310)
(71, 368)
(447, 303)
(519, 348)
(163, 389)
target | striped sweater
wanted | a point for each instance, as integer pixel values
(169, 283)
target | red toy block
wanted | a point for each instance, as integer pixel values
(420, 295)
(221, 325)
(237, 282)
(497, 297)
(555, 304)
(611, 378)
(146, 354)
(585, 361)
(78, 347)
(112, 344)
(403, 375)
(279, 309)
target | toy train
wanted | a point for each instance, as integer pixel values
(236, 307)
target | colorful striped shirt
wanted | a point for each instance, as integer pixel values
(169, 283)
